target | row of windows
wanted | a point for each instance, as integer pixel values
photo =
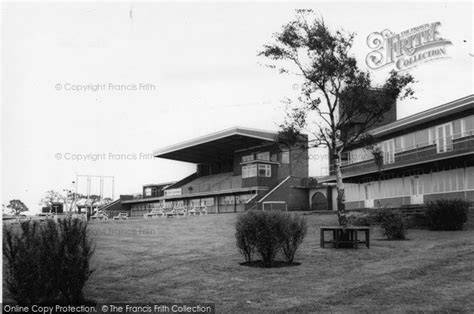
(208, 201)
(441, 135)
(261, 170)
(259, 156)
(436, 182)
(285, 157)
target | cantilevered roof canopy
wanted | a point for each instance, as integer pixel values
(216, 146)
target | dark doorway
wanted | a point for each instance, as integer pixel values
(319, 202)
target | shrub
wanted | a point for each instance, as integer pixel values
(245, 234)
(360, 219)
(447, 214)
(267, 233)
(270, 231)
(295, 231)
(47, 263)
(393, 224)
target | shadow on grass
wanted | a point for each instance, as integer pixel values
(275, 264)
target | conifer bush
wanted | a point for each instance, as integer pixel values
(47, 262)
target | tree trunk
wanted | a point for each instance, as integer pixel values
(341, 207)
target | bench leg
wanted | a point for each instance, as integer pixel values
(356, 241)
(367, 238)
(321, 238)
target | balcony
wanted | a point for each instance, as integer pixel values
(447, 147)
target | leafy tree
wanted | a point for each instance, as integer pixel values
(68, 198)
(50, 198)
(17, 207)
(342, 96)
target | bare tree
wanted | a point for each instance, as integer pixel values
(343, 97)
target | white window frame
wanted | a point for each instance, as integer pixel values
(389, 153)
(444, 147)
(266, 168)
(463, 127)
(265, 155)
(249, 171)
(247, 158)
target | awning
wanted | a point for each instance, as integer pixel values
(216, 146)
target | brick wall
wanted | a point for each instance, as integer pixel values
(296, 198)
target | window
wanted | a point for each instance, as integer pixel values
(432, 136)
(249, 171)
(227, 200)
(247, 158)
(195, 202)
(207, 201)
(263, 156)
(470, 178)
(468, 126)
(285, 157)
(147, 191)
(422, 138)
(444, 137)
(264, 171)
(359, 155)
(388, 151)
(408, 141)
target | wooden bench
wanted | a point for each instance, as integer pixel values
(100, 215)
(198, 210)
(338, 237)
(154, 214)
(121, 216)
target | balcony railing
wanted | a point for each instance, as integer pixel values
(445, 147)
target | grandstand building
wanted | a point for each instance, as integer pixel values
(236, 169)
(426, 157)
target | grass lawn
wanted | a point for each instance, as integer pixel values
(195, 259)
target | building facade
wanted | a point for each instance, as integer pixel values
(236, 169)
(426, 157)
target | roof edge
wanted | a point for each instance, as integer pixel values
(214, 136)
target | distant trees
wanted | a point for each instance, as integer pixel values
(71, 200)
(51, 197)
(17, 207)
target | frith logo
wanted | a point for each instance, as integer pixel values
(406, 49)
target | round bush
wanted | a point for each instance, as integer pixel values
(267, 233)
(447, 214)
(393, 224)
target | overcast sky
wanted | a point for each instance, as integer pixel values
(199, 71)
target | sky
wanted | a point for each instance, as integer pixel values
(94, 88)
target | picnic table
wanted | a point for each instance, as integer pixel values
(338, 237)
